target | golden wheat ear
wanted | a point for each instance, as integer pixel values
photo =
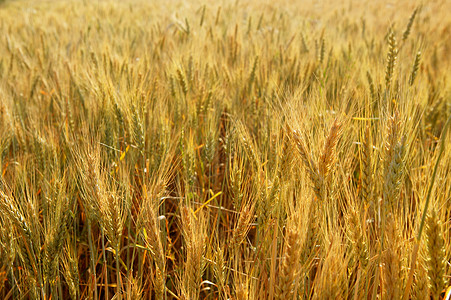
(290, 270)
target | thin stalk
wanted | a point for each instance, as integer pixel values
(129, 234)
(118, 275)
(426, 206)
(14, 281)
(93, 263)
(130, 267)
(60, 290)
(105, 265)
(164, 243)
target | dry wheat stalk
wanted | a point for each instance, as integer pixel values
(436, 262)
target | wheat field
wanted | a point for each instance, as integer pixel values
(225, 150)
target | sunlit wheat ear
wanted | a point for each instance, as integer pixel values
(330, 283)
(421, 289)
(93, 186)
(395, 150)
(253, 71)
(357, 238)
(194, 234)
(290, 264)
(243, 225)
(182, 81)
(310, 251)
(236, 181)
(391, 261)
(70, 270)
(304, 43)
(91, 199)
(320, 50)
(311, 239)
(309, 163)
(7, 245)
(54, 245)
(247, 143)
(415, 67)
(406, 33)
(172, 87)
(112, 217)
(371, 86)
(148, 221)
(159, 283)
(367, 167)
(120, 118)
(133, 289)
(436, 261)
(26, 241)
(219, 268)
(107, 208)
(393, 176)
(329, 151)
(242, 292)
(391, 59)
(138, 130)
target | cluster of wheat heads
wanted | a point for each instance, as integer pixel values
(237, 150)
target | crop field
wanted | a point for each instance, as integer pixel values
(225, 149)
